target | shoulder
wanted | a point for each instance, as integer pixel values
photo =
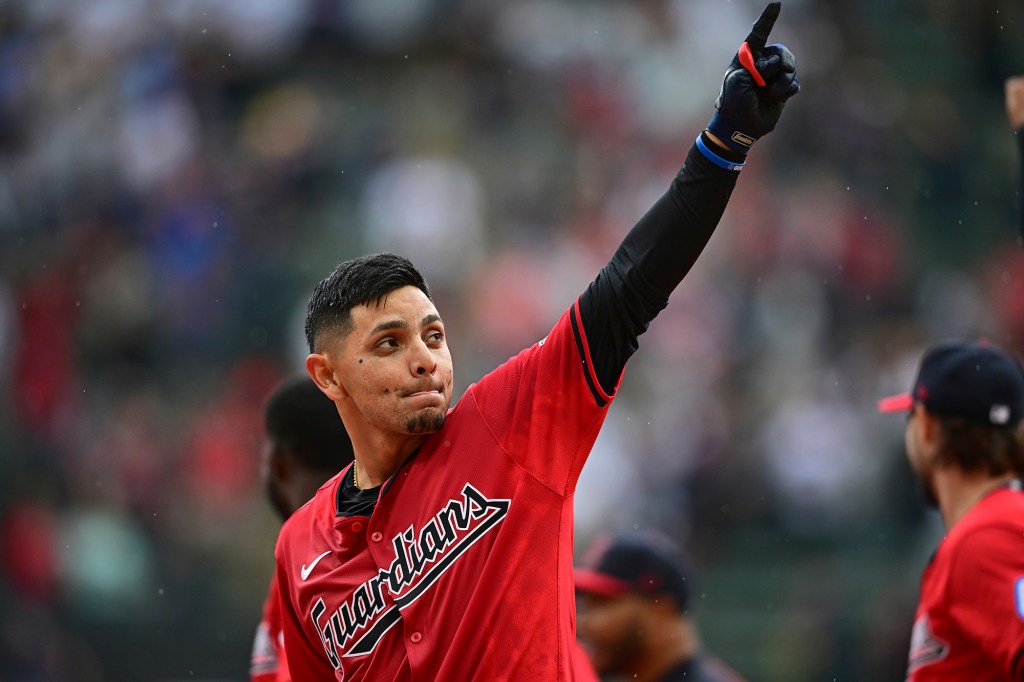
(1002, 510)
(991, 535)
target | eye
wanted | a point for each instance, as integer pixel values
(386, 343)
(435, 337)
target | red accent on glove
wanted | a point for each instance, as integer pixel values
(747, 61)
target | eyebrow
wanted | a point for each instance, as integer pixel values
(390, 324)
(400, 324)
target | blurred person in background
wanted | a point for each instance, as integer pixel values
(1015, 114)
(1006, 269)
(964, 440)
(305, 445)
(445, 550)
(633, 598)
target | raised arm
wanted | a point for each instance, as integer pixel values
(662, 247)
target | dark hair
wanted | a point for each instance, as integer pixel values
(973, 446)
(305, 424)
(361, 281)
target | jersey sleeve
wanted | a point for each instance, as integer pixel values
(986, 595)
(546, 405)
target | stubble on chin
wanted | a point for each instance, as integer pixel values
(428, 422)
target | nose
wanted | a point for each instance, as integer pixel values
(423, 361)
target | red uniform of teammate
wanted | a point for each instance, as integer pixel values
(268, 662)
(445, 553)
(970, 617)
(964, 441)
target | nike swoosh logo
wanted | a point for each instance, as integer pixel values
(307, 570)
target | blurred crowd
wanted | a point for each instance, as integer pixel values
(177, 175)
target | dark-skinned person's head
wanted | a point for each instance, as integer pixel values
(305, 443)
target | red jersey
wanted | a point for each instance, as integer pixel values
(463, 571)
(268, 663)
(970, 616)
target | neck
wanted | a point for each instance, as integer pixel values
(958, 491)
(377, 459)
(667, 647)
(378, 452)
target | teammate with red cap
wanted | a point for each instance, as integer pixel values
(445, 552)
(965, 442)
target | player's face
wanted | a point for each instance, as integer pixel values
(394, 365)
(611, 630)
(271, 483)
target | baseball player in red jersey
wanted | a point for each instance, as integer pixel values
(305, 445)
(446, 551)
(965, 442)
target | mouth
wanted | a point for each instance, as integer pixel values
(432, 391)
(428, 399)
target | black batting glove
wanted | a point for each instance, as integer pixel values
(757, 84)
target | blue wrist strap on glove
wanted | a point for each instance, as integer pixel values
(716, 159)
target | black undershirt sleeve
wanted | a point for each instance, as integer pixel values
(656, 254)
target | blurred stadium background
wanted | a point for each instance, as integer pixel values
(178, 174)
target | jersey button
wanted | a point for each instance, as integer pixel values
(377, 536)
(357, 526)
(415, 637)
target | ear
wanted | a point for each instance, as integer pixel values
(321, 370)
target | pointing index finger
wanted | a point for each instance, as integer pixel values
(763, 26)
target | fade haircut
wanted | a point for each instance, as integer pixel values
(362, 281)
(305, 424)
